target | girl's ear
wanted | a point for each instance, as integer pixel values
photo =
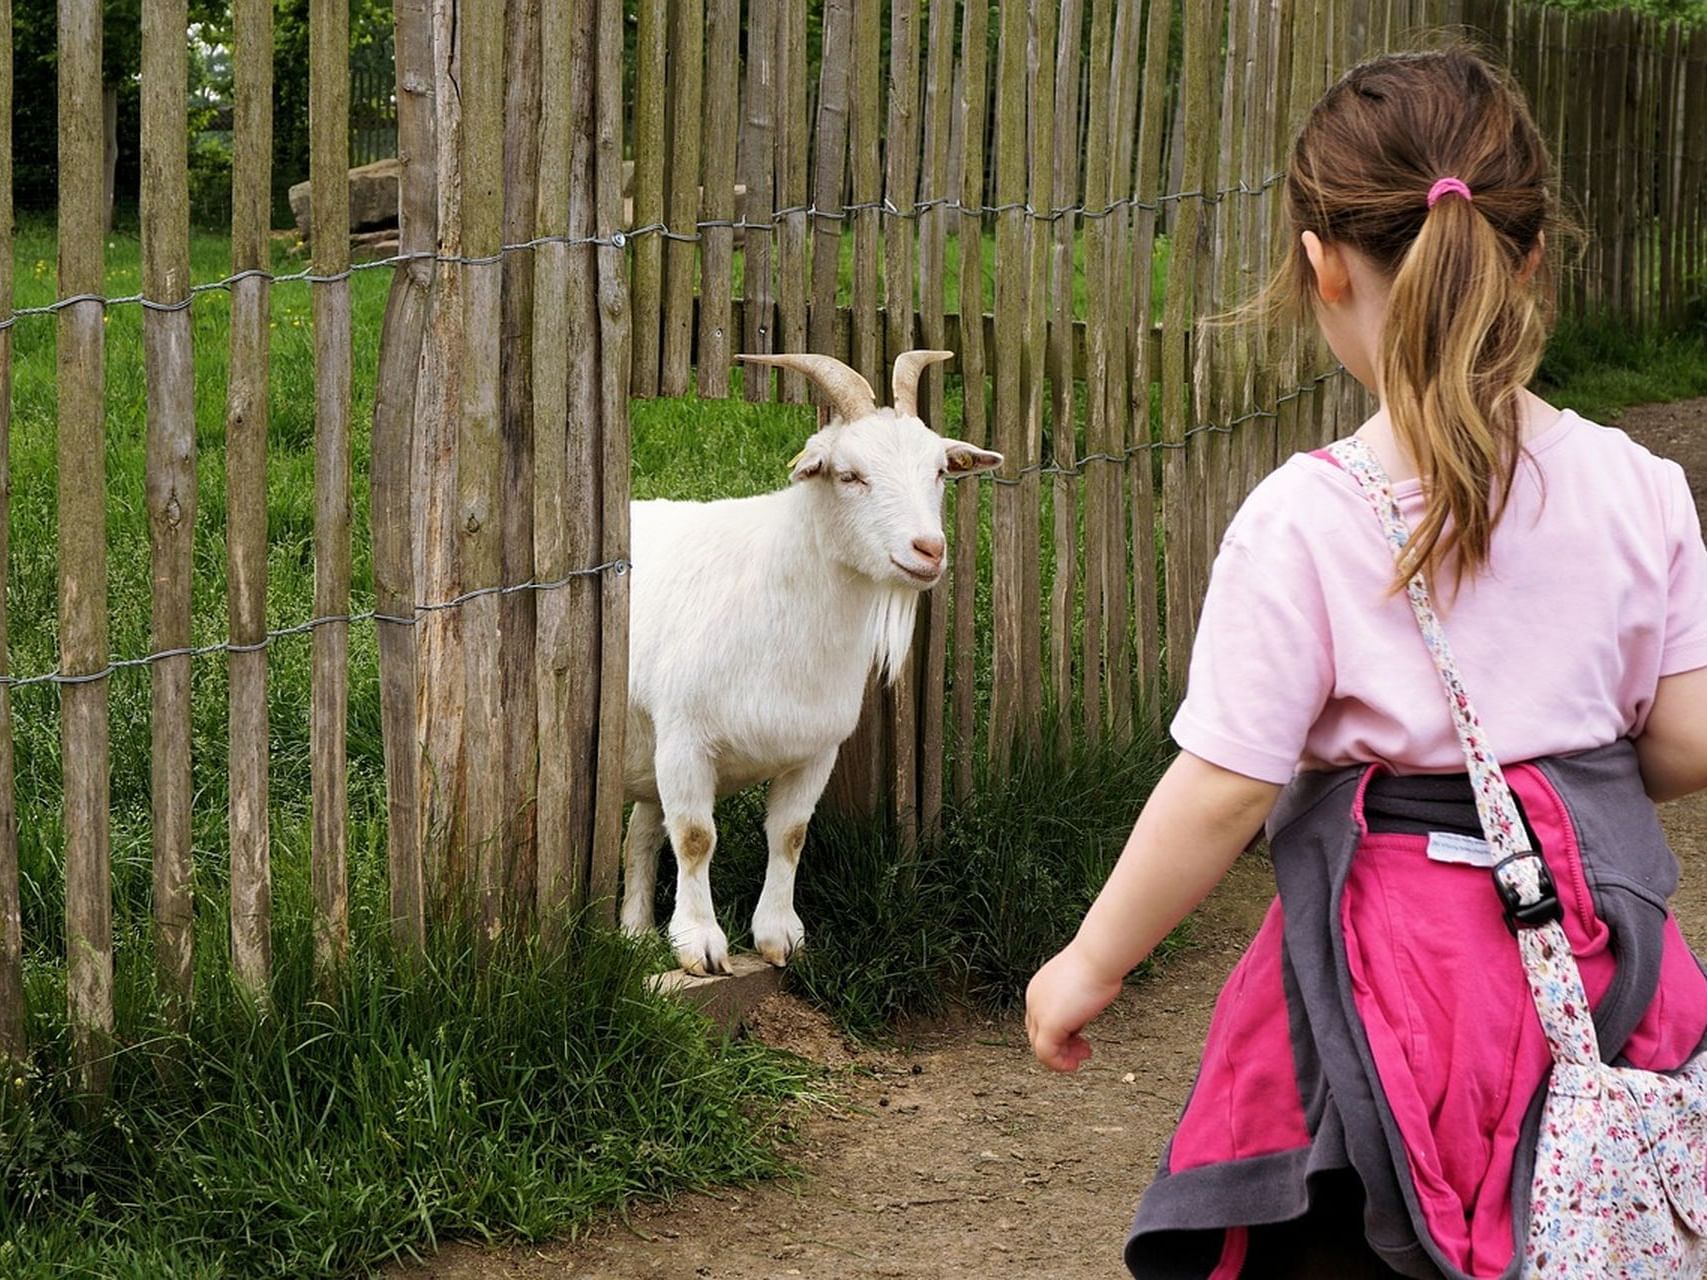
(1329, 266)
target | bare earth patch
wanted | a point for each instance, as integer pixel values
(955, 1154)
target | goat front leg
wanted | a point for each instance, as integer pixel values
(687, 789)
(777, 931)
(640, 865)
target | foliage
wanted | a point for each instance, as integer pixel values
(1599, 367)
(1693, 12)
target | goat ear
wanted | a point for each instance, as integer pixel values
(965, 459)
(808, 462)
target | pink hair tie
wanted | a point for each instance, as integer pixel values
(1444, 186)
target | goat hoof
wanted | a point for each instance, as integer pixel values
(779, 938)
(701, 949)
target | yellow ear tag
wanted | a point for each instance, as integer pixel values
(795, 460)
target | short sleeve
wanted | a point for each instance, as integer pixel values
(1262, 667)
(1686, 589)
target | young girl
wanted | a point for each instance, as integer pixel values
(1369, 1093)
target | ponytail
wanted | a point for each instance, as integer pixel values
(1470, 304)
(1462, 339)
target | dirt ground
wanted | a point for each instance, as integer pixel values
(955, 1154)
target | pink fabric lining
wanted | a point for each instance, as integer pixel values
(1440, 990)
(1245, 1102)
(1233, 1251)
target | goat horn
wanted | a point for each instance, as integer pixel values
(908, 366)
(851, 397)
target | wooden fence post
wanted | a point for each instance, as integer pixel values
(933, 268)
(329, 130)
(83, 550)
(614, 356)
(393, 446)
(517, 610)
(970, 239)
(480, 30)
(682, 197)
(717, 202)
(171, 482)
(1009, 603)
(246, 423)
(651, 35)
(1063, 195)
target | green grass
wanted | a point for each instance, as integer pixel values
(1601, 368)
(517, 1101)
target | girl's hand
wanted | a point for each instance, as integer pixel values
(1063, 997)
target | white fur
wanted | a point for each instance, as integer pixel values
(754, 625)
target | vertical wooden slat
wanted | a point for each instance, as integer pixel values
(1176, 407)
(392, 449)
(791, 190)
(722, 67)
(1064, 193)
(1670, 64)
(83, 549)
(651, 32)
(436, 539)
(858, 780)
(1122, 134)
(933, 264)
(517, 611)
(1096, 471)
(171, 482)
(1040, 127)
(614, 355)
(973, 88)
(1201, 450)
(829, 160)
(1141, 468)
(12, 1045)
(246, 495)
(1008, 614)
(864, 140)
(480, 33)
(1229, 341)
(758, 154)
(682, 196)
(901, 155)
(329, 143)
(572, 659)
(551, 496)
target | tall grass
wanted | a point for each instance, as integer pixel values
(518, 1099)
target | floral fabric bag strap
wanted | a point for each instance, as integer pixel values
(1520, 875)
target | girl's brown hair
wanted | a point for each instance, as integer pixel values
(1470, 308)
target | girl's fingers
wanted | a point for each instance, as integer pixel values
(1060, 1052)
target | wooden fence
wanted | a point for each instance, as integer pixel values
(1050, 145)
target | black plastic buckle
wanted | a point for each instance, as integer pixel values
(1545, 910)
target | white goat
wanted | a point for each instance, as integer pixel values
(755, 623)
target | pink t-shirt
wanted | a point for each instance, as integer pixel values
(1596, 588)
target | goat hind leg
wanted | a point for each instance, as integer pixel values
(777, 930)
(640, 850)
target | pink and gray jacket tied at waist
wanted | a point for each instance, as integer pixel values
(1380, 1022)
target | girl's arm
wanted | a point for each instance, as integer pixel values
(1199, 820)
(1673, 745)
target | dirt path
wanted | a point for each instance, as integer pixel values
(958, 1156)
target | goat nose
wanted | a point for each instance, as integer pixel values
(930, 549)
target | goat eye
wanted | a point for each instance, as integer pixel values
(851, 477)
